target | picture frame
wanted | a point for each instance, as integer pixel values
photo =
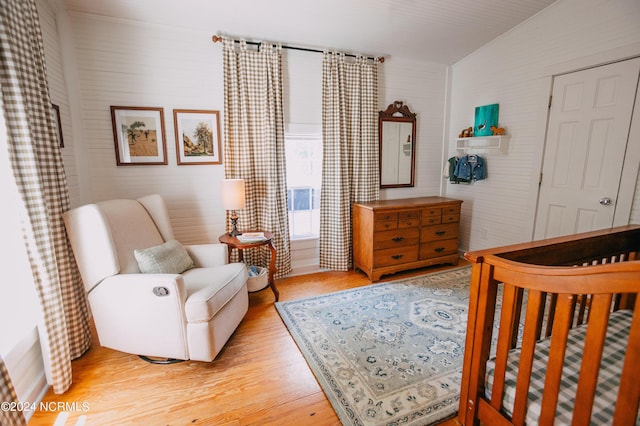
(197, 136)
(485, 117)
(139, 136)
(56, 117)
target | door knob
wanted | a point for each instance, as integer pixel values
(606, 201)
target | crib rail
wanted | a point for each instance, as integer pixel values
(566, 282)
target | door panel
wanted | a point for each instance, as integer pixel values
(587, 136)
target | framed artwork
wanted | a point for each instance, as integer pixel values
(138, 134)
(485, 118)
(197, 136)
(56, 117)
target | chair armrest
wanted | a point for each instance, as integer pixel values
(208, 255)
(137, 290)
(131, 317)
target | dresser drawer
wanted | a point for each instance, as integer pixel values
(396, 238)
(431, 212)
(385, 225)
(451, 210)
(438, 248)
(450, 218)
(431, 220)
(439, 232)
(395, 256)
(386, 217)
(409, 219)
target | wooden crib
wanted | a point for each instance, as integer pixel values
(547, 333)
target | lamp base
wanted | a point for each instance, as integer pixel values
(234, 224)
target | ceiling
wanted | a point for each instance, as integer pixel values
(442, 31)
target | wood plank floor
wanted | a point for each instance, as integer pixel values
(259, 378)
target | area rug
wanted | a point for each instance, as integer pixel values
(390, 353)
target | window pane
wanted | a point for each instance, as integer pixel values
(304, 179)
(301, 199)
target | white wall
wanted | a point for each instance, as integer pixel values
(131, 63)
(513, 70)
(422, 87)
(58, 92)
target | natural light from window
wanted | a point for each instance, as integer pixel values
(304, 179)
(18, 302)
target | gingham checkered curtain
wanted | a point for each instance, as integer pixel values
(350, 160)
(36, 163)
(8, 395)
(254, 144)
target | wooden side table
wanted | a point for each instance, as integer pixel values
(235, 243)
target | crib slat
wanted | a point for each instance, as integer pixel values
(573, 311)
(481, 339)
(629, 391)
(583, 306)
(507, 319)
(541, 311)
(591, 358)
(526, 356)
(555, 364)
(552, 309)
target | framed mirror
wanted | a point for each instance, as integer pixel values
(397, 134)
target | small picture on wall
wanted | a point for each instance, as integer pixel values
(197, 136)
(486, 117)
(56, 117)
(138, 134)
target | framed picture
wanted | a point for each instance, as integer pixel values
(197, 136)
(485, 118)
(56, 117)
(138, 134)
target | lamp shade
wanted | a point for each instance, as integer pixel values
(233, 194)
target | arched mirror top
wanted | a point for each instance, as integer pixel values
(397, 135)
(397, 110)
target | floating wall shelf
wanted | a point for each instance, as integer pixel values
(483, 144)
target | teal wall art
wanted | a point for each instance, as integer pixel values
(486, 116)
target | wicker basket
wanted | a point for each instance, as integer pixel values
(258, 282)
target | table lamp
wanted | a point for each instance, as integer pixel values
(233, 199)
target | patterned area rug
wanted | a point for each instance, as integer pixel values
(390, 353)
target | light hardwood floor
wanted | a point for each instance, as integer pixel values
(259, 378)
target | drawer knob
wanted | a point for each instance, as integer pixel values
(440, 233)
(397, 239)
(397, 256)
(439, 249)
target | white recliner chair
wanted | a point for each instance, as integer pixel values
(163, 311)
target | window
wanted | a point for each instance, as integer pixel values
(304, 179)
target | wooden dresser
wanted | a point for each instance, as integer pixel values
(396, 235)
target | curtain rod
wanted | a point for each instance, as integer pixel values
(217, 39)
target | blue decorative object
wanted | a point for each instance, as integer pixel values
(486, 116)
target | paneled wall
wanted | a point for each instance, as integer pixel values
(422, 87)
(134, 64)
(513, 70)
(58, 92)
(131, 63)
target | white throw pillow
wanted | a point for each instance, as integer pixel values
(167, 258)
